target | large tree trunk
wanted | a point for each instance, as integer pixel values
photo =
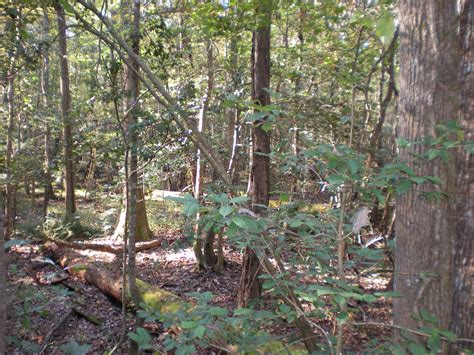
(250, 286)
(433, 265)
(66, 113)
(463, 303)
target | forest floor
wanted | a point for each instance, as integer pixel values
(37, 310)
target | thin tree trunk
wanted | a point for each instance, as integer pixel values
(8, 223)
(66, 113)
(250, 285)
(133, 92)
(45, 90)
(384, 101)
(433, 255)
(3, 289)
(200, 166)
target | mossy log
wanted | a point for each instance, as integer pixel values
(154, 297)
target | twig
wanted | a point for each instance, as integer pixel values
(50, 334)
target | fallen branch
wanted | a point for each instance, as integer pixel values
(50, 334)
(105, 247)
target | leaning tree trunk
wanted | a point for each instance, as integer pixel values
(66, 113)
(433, 258)
(250, 286)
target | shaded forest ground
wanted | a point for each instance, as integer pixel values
(35, 308)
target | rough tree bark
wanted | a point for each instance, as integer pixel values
(463, 302)
(66, 113)
(434, 255)
(250, 286)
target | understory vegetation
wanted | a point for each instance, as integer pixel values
(213, 177)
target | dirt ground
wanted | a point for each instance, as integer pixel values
(37, 310)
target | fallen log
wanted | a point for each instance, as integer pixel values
(105, 247)
(154, 297)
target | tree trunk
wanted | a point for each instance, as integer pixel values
(45, 91)
(200, 166)
(8, 223)
(433, 258)
(463, 303)
(132, 171)
(250, 285)
(3, 290)
(66, 113)
(384, 101)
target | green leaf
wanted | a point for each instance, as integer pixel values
(185, 349)
(142, 338)
(432, 154)
(402, 143)
(434, 179)
(427, 316)
(244, 222)
(190, 208)
(404, 186)
(189, 324)
(417, 349)
(380, 197)
(218, 311)
(469, 148)
(243, 312)
(417, 179)
(199, 331)
(66, 6)
(268, 284)
(73, 348)
(225, 210)
(232, 230)
(267, 126)
(385, 28)
(336, 179)
(239, 199)
(353, 166)
(434, 341)
(342, 317)
(256, 116)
